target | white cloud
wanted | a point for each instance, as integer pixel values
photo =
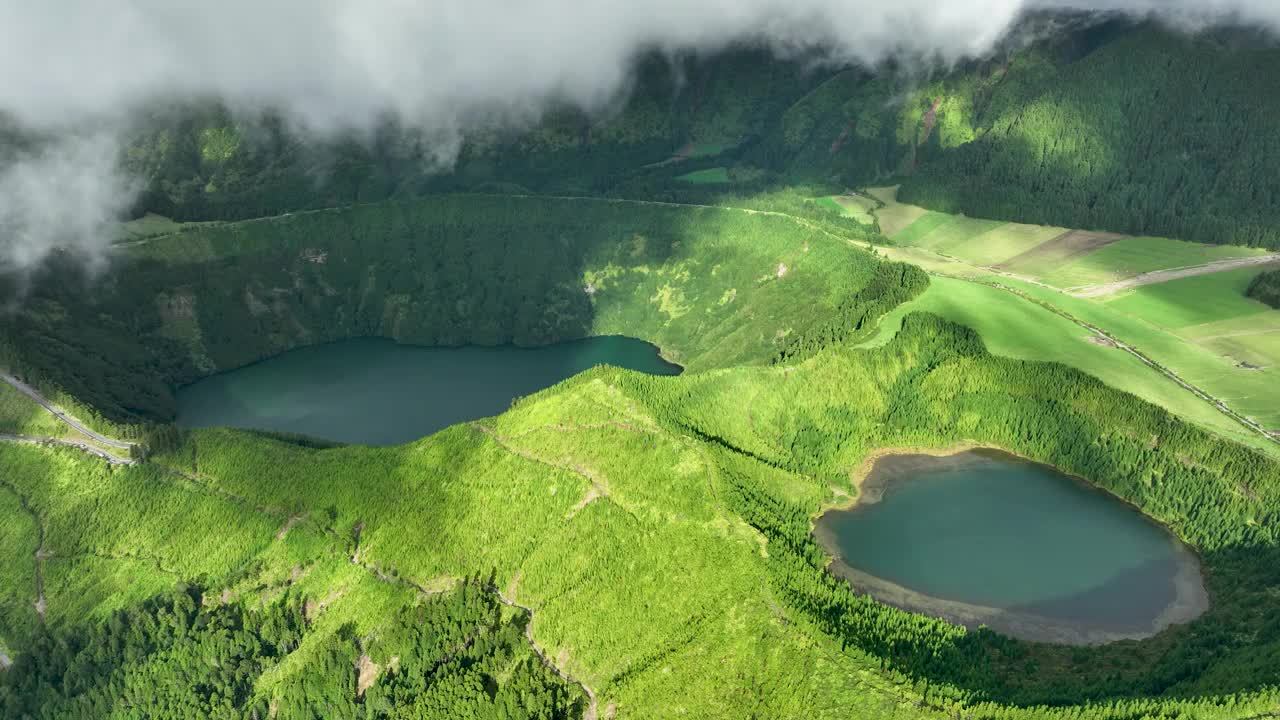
(440, 65)
(66, 195)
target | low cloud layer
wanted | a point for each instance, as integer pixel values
(438, 65)
(64, 196)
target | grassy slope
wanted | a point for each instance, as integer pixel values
(1201, 327)
(972, 240)
(502, 497)
(714, 175)
(1248, 391)
(1192, 301)
(1019, 328)
(19, 415)
(1133, 256)
(655, 592)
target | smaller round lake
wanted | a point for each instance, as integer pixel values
(984, 538)
(376, 392)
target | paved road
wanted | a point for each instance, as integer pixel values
(32, 393)
(99, 452)
(1160, 276)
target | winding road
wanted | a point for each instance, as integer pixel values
(84, 447)
(32, 393)
(73, 423)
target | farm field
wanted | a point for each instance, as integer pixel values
(1136, 255)
(1193, 300)
(1018, 328)
(972, 240)
(853, 206)
(1248, 391)
(1056, 256)
(1202, 327)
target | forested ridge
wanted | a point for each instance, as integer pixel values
(712, 287)
(1151, 133)
(639, 581)
(1113, 125)
(659, 528)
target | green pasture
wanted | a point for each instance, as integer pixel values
(1248, 391)
(851, 206)
(1137, 255)
(1193, 300)
(709, 176)
(1016, 327)
(1002, 242)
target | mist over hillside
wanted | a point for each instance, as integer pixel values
(416, 86)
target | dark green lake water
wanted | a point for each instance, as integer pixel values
(375, 392)
(985, 538)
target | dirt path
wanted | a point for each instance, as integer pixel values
(592, 711)
(1161, 276)
(599, 487)
(40, 553)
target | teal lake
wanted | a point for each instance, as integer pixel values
(985, 538)
(376, 392)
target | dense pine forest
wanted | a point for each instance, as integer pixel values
(1129, 137)
(1112, 126)
(183, 654)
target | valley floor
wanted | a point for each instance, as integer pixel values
(1218, 352)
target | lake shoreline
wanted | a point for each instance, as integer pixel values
(379, 392)
(1191, 598)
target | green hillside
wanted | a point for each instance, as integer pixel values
(1149, 133)
(652, 523)
(845, 261)
(711, 287)
(1113, 126)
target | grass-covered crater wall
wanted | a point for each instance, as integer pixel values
(712, 287)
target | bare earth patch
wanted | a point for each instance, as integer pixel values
(367, 675)
(1099, 340)
(1062, 249)
(288, 525)
(593, 493)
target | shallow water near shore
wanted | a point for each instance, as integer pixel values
(985, 538)
(375, 392)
